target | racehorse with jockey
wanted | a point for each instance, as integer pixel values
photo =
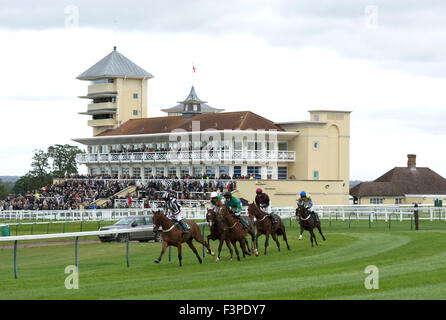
(174, 211)
(263, 201)
(235, 205)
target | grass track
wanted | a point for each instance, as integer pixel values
(412, 265)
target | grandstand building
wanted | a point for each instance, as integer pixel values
(196, 140)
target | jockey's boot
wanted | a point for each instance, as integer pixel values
(243, 222)
(273, 218)
(183, 226)
(315, 216)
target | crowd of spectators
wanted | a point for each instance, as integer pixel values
(65, 195)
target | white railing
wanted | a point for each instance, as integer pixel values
(199, 212)
(186, 156)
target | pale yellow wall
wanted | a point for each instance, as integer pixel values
(286, 192)
(332, 159)
(389, 200)
(125, 101)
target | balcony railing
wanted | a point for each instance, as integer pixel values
(187, 156)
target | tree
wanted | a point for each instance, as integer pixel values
(63, 159)
(30, 182)
(40, 164)
(3, 191)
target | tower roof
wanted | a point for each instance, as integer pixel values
(114, 65)
(192, 98)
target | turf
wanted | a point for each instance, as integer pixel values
(411, 266)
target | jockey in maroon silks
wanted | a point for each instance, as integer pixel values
(263, 202)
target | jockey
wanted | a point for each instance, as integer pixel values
(305, 202)
(236, 206)
(216, 200)
(174, 210)
(263, 202)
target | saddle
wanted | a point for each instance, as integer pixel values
(178, 225)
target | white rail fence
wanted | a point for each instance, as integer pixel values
(325, 212)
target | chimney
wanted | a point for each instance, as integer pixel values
(412, 161)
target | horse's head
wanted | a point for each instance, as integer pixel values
(222, 212)
(156, 219)
(301, 213)
(210, 216)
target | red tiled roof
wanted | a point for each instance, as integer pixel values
(241, 120)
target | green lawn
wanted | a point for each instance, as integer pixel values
(412, 265)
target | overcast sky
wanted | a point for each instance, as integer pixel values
(382, 60)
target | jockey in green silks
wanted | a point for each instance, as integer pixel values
(236, 206)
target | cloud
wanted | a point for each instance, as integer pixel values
(408, 35)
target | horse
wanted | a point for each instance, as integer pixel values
(307, 222)
(174, 237)
(234, 231)
(217, 229)
(265, 226)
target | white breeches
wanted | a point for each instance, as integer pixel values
(176, 216)
(266, 209)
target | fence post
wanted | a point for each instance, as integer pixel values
(349, 214)
(170, 253)
(202, 246)
(329, 218)
(15, 260)
(127, 246)
(76, 252)
(16, 227)
(411, 222)
(47, 227)
(370, 221)
(390, 220)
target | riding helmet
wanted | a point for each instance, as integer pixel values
(259, 190)
(228, 194)
(303, 194)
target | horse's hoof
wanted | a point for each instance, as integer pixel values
(157, 261)
(218, 259)
(257, 253)
(212, 253)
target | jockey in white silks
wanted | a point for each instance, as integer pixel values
(174, 210)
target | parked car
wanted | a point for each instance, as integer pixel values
(136, 222)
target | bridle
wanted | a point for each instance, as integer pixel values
(300, 216)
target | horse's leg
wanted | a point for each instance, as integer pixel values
(197, 236)
(320, 230)
(254, 249)
(301, 231)
(314, 236)
(257, 242)
(275, 239)
(234, 244)
(163, 249)
(311, 236)
(191, 245)
(284, 237)
(243, 244)
(219, 250)
(266, 240)
(228, 244)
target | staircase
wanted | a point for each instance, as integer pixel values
(129, 190)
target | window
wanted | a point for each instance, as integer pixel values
(237, 145)
(269, 173)
(104, 170)
(376, 200)
(184, 171)
(210, 172)
(135, 96)
(398, 200)
(160, 171)
(99, 81)
(283, 146)
(237, 171)
(94, 171)
(223, 170)
(315, 145)
(255, 170)
(135, 112)
(171, 171)
(198, 171)
(315, 117)
(125, 170)
(115, 171)
(282, 173)
(147, 172)
(315, 175)
(137, 172)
